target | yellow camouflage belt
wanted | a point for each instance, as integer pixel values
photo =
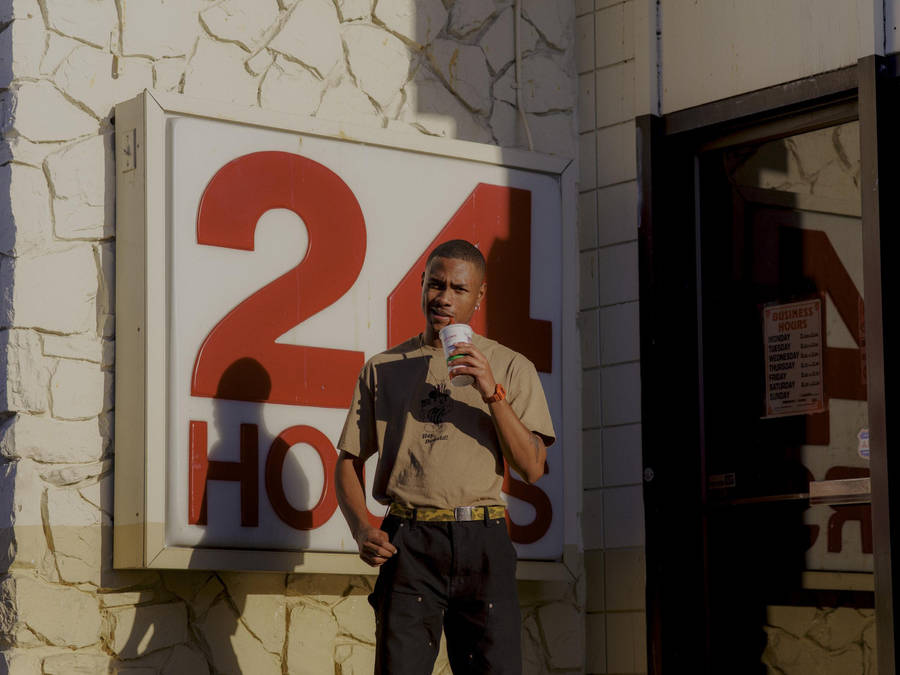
(460, 513)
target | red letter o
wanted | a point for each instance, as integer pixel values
(327, 504)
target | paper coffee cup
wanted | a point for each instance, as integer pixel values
(450, 335)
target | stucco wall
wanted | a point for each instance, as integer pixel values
(427, 66)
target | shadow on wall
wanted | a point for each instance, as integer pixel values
(7, 539)
(463, 72)
(8, 466)
(208, 607)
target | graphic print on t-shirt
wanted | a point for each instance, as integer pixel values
(434, 408)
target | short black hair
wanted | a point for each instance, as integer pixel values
(458, 249)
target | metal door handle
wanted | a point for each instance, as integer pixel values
(843, 491)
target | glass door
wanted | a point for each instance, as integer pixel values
(787, 519)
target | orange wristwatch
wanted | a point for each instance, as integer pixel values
(498, 395)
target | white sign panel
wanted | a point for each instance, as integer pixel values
(292, 257)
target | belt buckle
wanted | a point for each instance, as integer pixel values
(463, 513)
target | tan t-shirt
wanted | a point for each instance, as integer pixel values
(436, 443)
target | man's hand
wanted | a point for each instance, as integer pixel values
(474, 363)
(374, 546)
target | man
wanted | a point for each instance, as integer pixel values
(445, 557)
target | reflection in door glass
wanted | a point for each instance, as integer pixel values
(784, 379)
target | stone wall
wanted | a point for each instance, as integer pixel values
(439, 67)
(823, 641)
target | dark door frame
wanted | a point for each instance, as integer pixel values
(668, 148)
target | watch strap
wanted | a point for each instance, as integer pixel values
(498, 395)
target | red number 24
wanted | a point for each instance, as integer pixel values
(496, 218)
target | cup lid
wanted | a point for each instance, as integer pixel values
(457, 326)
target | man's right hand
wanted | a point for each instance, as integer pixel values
(374, 546)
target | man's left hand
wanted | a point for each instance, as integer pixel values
(474, 363)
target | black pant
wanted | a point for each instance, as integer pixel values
(459, 576)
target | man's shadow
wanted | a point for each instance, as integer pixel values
(238, 418)
(217, 602)
(429, 405)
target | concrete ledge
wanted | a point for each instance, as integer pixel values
(314, 563)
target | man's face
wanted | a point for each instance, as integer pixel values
(450, 290)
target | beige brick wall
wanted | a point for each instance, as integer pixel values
(607, 33)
